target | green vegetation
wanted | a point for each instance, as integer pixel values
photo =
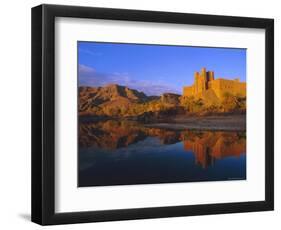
(229, 103)
(133, 109)
(117, 101)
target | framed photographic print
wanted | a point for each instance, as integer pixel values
(142, 114)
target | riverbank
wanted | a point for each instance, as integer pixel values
(229, 122)
(223, 123)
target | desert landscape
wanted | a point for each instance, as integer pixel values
(155, 114)
(209, 104)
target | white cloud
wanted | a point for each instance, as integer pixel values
(86, 69)
(88, 76)
(89, 52)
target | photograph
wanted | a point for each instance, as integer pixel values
(142, 113)
(150, 114)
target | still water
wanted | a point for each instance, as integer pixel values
(124, 153)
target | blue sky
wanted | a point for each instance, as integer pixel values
(154, 69)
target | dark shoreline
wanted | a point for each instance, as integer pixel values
(213, 122)
(216, 123)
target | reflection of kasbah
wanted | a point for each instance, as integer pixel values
(206, 86)
(206, 146)
(209, 146)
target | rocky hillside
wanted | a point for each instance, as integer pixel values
(110, 97)
(120, 101)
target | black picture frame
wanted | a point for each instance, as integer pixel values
(43, 110)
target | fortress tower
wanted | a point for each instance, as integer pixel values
(201, 81)
(205, 85)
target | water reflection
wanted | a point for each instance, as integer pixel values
(103, 144)
(209, 146)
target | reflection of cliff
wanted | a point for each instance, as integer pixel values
(206, 146)
(118, 134)
(166, 137)
(209, 146)
(109, 134)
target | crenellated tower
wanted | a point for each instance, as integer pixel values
(201, 81)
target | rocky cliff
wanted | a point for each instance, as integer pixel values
(109, 97)
(122, 102)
